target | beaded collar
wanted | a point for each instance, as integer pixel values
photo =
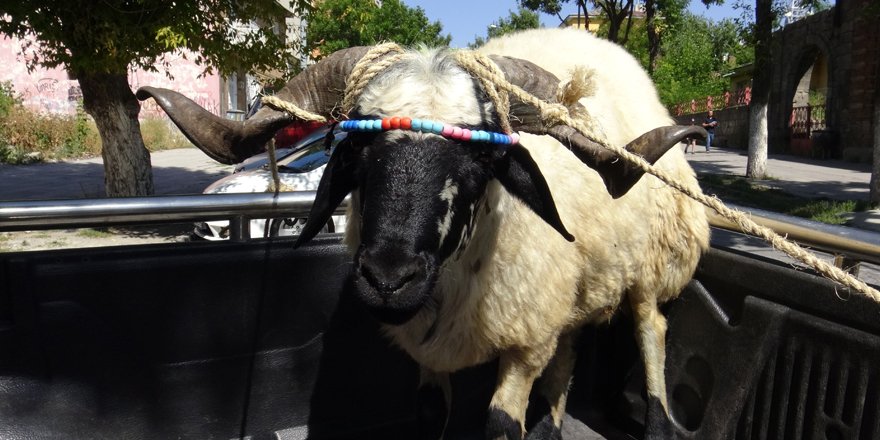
(426, 126)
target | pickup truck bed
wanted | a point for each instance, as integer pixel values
(258, 340)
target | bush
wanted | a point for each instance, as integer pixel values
(27, 136)
(162, 134)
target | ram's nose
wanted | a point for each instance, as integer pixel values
(389, 271)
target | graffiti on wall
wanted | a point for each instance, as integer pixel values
(52, 91)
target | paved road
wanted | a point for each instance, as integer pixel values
(180, 171)
(189, 171)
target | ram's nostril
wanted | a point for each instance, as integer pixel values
(389, 275)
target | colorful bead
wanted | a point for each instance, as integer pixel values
(428, 126)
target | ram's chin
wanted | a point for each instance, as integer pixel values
(398, 309)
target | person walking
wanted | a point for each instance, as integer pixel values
(690, 141)
(709, 124)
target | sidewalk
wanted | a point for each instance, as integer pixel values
(830, 179)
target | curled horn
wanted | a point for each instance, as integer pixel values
(317, 89)
(619, 176)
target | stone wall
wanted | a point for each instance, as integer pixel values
(849, 38)
(732, 130)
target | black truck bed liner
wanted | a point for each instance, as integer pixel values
(258, 340)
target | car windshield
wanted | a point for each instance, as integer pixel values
(311, 157)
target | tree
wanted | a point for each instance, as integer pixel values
(756, 165)
(670, 13)
(616, 12)
(690, 66)
(521, 20)
(98, 41)
(337, 24)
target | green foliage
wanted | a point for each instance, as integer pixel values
(8, 98)
(696, 55)
(112, 35)
(161, 134)
(521, 20)
(27, 136)
(339, 24)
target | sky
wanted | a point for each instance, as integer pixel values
(467, 19)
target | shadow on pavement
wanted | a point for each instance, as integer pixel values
(79, 180)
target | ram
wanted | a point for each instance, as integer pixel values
(471, 243)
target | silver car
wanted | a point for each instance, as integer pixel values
(299, 167)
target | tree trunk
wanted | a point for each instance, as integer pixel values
(875, 171)
(756, 167)
(109, 100)
(653, 36)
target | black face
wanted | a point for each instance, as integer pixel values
(419, 195)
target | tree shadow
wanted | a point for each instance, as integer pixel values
(83, 180)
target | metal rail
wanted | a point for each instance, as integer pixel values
(851, 243)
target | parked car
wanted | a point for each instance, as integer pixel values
(300, 167)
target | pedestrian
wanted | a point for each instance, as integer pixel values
(709, 124)
(690, 142)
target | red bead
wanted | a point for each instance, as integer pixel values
(406, 123)
(386, 123)
(395, 123)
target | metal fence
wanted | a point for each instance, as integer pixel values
(807, 119)
(728, 99)
(852, 245)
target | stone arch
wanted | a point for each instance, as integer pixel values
(808, 63)
(797, 49)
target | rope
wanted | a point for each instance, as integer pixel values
(280, 104)
(474, 62)
(555, 113)
(366, 69)
(494, 82)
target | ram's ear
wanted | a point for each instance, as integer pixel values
(337, 182)
(520, 176)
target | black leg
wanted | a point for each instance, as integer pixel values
(545, 429)
(434, 398)
(657, 423)
(501, 426)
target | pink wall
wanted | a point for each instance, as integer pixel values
(50, 90)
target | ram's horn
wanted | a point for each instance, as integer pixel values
(619, 176)
(317, 89)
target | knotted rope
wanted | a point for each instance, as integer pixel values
(494, 82)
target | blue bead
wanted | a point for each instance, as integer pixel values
(416, 124)
(361, 124)
(438, 128)
(377, 125)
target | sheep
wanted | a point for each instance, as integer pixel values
(468, 251)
